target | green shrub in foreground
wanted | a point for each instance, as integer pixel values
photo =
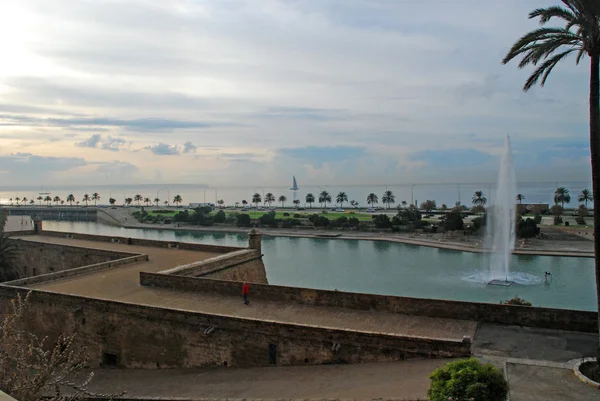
(468, 379)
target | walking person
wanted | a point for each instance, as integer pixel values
(245, 291)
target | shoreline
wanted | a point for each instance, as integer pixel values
(533, 247)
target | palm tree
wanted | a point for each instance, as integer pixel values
(479, 198)
(282, 199)
(372, 199)
(388, 198)
(310, 199)
(341, 198)
(244, 202)
(296, 202)
(580, 33)
(562, 195)
(138, 198)
(17, 199)
(86, 199)
(77, 203)
(31, 202)
(256, 199)
(404, 203)
(220, 202)
(520, 198)
(585, 196)
(8, 254)
(70, 199)
(62, 202)
(40, 199)
(177, 199)
(269, 198)
(95, 197)
(47, 199)
(56, 200)
(128, 201)
(147, 201)
(24, 200)
(165, 202)
(10, 199)
(324, 197)
(156, 200)
(112, 201)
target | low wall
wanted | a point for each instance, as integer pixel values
(35, 258)
(244, 265)
(143, 242)
(562, 319)
(138, 336)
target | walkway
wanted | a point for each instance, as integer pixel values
(122, 284)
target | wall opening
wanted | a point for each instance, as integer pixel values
(109, 360)
(272, 354)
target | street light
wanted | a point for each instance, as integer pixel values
(458, 186)
(412, 197)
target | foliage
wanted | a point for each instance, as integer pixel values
(282, 199)
(537, 219)
(527, 228)
(324, 197)
(243, 220)
(452, 221)
(562, 196)
(256, 199)
(585, 196)
(516, 301)
(372, 199)
(520, 198)
(8, 254)
(557, 210)
(219, 217)
(479, 198)
(269, 198)
(318, 221)
(428, 205)
(388, 198)
(341, 198)
(31, 371)
(310, 199)
(353, 222)
(478, 223)
(268, 219)
(557, 220)
(382, 221)
(468, 379)
(478, 209)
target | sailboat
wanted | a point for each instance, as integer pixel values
(294, 185)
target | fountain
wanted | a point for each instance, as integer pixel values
(500, 230)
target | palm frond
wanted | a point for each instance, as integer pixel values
(530, 39)
(544, 70)
(546, 14)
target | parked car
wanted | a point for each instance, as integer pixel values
(339, 210)
(300, 208)
(370, 210)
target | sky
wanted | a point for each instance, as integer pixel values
(229, 92)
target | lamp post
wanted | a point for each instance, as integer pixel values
(458, 190)
(412, 194)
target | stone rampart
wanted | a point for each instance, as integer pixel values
(139, 336)
(484, 312)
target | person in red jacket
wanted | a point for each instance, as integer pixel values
(245, 291)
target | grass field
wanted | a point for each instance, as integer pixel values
(279, 215)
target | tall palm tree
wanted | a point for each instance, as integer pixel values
(95, 197)
(479, 198)
(269, 198)
(17, 199)
(177, 199)
(244, 202)
(256, 199)
(296, 202)
(10, 199)
(404, 203)
(585, 196)
(47, 199)
(70, 199)
(165, 202)
(562, 195)
(40, 199)
(147, 201)
(138, 198)
(86, 199)
(324, 197)
(581, 33)
(341, 198)
(282, 199)
(128, 201)
(24, 200)
(56, 200)
(156, 200)
(8, 255)
(372, 199)
(520, 198)
(31, 202)
(310, 199)
(388, 198)
(112, 201)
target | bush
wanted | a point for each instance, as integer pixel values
(537, 219)
(580, 221)
(353, 222)
(516, 301)
(453, 221)
(321, 221)
(243, 220)
(382, 221)
(468, 379)
(297, 216)
(286, 214)
(268, 219)
(219, 217)
(527, 228)
(557, 220)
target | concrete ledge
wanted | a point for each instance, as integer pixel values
(581, 376)
(215, 264)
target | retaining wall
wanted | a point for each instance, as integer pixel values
(562, 319)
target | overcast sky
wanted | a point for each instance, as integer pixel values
(251, 92)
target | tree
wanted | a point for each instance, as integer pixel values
(581, 34)
(156, 200)
(478, 209)
(388, 198)
(40, 199)
(242, 220)
(86, 199)
(296, 202)
(244, 202)
(220, 202)
(310, 199)
(557, 211)
(128, 201)
(561, 195)
(269, 198)
(48, 199)
(112, 201)
(62, 202)
(341, 198)
(256, 199)
(147, 201)
(8, 255)
(404, 203)
(585, 196)
(165, 202)
(56, 200)
(17, 199)
(479, 198)
(282, 199)
(31, 202)
(138, 198)
(372, 199)
(324, 197)
(428, 205)
(520, 198)
(70, 199)
(10, 199)
(219, 217)
(95, 198)
(24, 200)
(177, 199)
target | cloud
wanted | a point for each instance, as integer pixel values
(319, 154)
(452, 157)
(162, 149)
(99, 142)
(188, 147)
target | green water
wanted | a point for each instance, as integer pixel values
(393, 269)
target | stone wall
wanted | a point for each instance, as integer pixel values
(562, 319)
(37, 258)
(137, 336)
(244, 265)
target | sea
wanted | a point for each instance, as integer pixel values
(443, 193)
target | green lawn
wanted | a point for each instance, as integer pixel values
(278, 215)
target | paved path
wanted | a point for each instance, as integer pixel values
(18, 223)
(122, 284)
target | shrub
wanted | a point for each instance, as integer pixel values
(382, 221)
(321, 221)
(557, 220)
(527, 228)
(219, 217)
(353, 222)
(242, 220)
(516, 301)
(286, 214)
(268, 219)
(537, 219)
(297, 216)
(580, 221)
(468, 379)
(452, 221)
